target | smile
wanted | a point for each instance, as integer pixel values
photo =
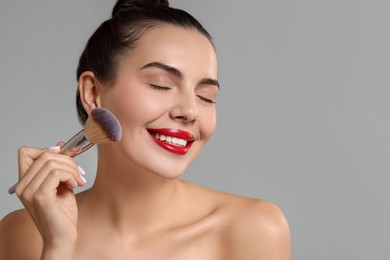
(173, 140)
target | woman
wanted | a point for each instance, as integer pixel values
(155, 68)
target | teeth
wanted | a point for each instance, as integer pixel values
(171, 140)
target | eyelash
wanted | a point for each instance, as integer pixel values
(159, 87)
(207, 100)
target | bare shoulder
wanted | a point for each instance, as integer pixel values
(253, 228)
(19, 237)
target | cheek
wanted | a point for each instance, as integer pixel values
(207, 124)
(134, 105)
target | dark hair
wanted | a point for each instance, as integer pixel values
(121, 34)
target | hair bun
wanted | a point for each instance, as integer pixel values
(124, 5)
(161, 2)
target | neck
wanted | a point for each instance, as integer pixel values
(129, 197)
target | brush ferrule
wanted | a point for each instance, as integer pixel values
(78, 140)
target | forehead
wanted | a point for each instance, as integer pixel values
(183, 48)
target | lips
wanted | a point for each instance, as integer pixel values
(172, 140)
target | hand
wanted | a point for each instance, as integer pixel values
(46, 182)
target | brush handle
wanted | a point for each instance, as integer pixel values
(78, 140)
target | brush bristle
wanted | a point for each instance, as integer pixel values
(102, 127)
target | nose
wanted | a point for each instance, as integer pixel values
(184, 110)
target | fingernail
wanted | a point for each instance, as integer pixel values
(54, 148)
(82, 172)
(84, 180)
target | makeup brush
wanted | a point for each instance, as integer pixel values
(101, 127)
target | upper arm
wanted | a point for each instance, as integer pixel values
(260, 231)
(19, 238)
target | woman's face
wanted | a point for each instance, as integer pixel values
(164, 97)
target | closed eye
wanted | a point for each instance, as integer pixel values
(208, 100)
(153, 86)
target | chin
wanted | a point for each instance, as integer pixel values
(167, 170)
(156, 161)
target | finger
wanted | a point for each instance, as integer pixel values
(67, 165)
(33, 180)
(65, 152)
(40, 186)
(26, 157)
(46, 162)
(50, 185)
(60, 144)
(72, 152)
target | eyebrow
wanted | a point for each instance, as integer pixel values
(171, 70)
(208, 81)
(175, 72)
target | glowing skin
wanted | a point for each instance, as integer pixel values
(173, 86)
(164, 89)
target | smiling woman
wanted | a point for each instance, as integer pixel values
(155, 68)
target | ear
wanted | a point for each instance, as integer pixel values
(90, 90)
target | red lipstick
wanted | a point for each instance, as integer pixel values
(172, 132)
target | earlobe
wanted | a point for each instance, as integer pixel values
(89, 89)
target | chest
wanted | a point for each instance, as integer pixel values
(170, 246)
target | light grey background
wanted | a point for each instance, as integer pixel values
(303, 116)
